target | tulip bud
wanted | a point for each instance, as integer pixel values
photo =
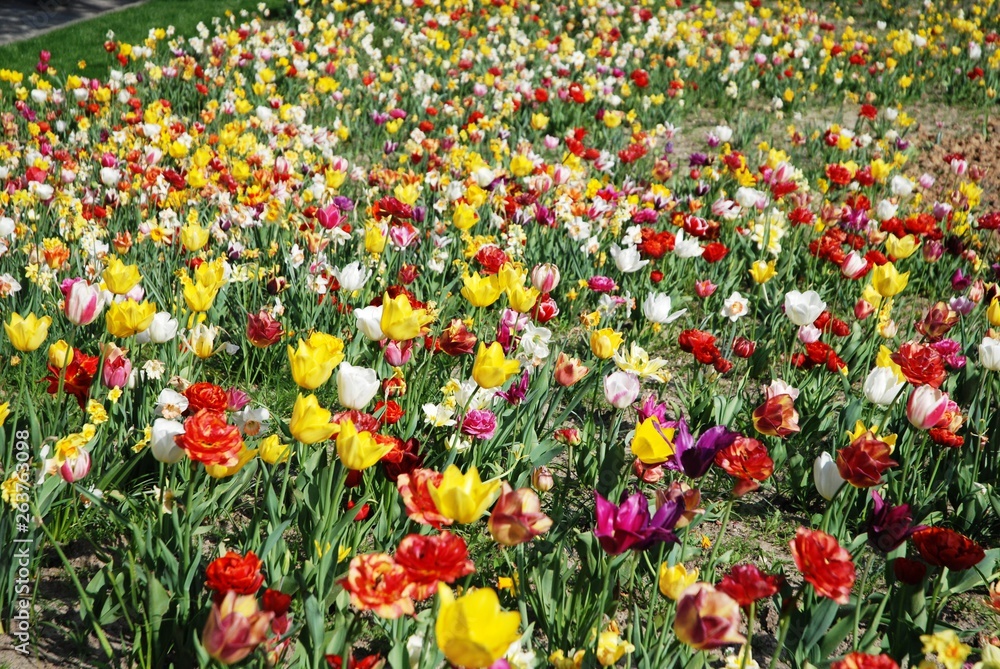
(926, 407)
(541, 479)
(84, 302)
(827, 476)
(545, 277)
(356, 386)
(621, 389)
(60, 354)
(863, 309)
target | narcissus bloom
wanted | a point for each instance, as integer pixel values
(473, 631)
(310, 422)
(27, 334)
(400, 321)
(359, 450)
(707, 618)
(491, 369)
(464, 498)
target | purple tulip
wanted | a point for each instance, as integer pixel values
(517, 391)
(650, 407)
(628, 525)
(890, 525)
(694, 458)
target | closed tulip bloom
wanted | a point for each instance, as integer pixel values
(989, 354)
(926, 407)
(604, 343)
(314, 360)
(707, 618)
(273, 451)
(901, 248)
(521, 299)
(481, 291)
(369, 321)
(473, 631)
(263, 330)
(517, 517)
(75, 468)
(116, 369)
(675, 580)
(882, 386)
(569, 370)
(464, 498)
(491, 369)
(621, 389)
(400, 321)
(356, 386)
(993, 312)
(27, 334)
(194, 237)
(359, 450)
(310, 422)
(803, 308)
(128, 318)
(887, 281)
(197, 296)
(652, 443)
(545, 277)
(201, 340)
(121, 278)
(235, 627)
(761, 272)
(60, 354)
(826, 476)
(162, 443)
(84, 303)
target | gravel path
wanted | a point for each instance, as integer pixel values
(22, 19)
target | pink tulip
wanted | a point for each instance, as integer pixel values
(76, 468)
(235, 628)
(621, 389)
(926, 407)
(83, 302)
(117, 369)
(707, 618)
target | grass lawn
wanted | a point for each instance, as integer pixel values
(85, 40)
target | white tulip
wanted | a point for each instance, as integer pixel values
(803, 308)
(352, 277)
(882, 386)
(160, 331)
(657, 306)
(989, 354)
(356, 386)
(627, 259)
(827, 476)
(162, 443)
(369, 322)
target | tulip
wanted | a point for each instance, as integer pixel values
(463, 498)
(901, 248)
(695, 458)
(27, 334)
(398, 353)
(657, 309)
(854, 265)
(541, 478)
(887, 281)
(198, 296)
(604, 343)
(116, 369)
(162, 329)
(675, 580)
(235, 627)
(776, 417)
(356, 386)
(653, 444)
(119, 277)
(352, 277)
(200, 340)
(310, 423)
(522, 299)
(993, 311)
(826, 476)
(481, 291)
(473, 631)
(629, 526)
(490, 368)
(359, 450)
(162, 443)
(621, 389)
(84, 302)
(194, 237)
(369, 321)
(628, 259)
(272, 451)
(610, 646)
(545, 277)
(60, 354)
(400, 321)
(74, 469)
(989, 354)
(569, 370)
(761, 272)
(882, 386)
(926, 407)
(890, 526)
(803, 308)
(313, 362)
(263, 330)
(707, 618)
(517, 517)
(127, 318)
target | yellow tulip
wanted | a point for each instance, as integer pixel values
(315, 359)
(522, 299)
(491, 369)
(481, 291)
(511, 275)
(400, 321)
(212, 275)
(463, 497)
(60, 354)
(611, 647)
(194, 237)
(465, 216)
(901, 248)
(121, 278)
(993, 312)
(887, 281)
(521, 165)
(310, 422)
(374, 239)
(126, 318)
(604, 343)
(762, 272)
(198, 296)
(675, 580)
(473, 630)
(272, 451)
(652, 444)
(27, 334)
(539, 121)
(4, 412)
(222, 471)
(359, 450)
